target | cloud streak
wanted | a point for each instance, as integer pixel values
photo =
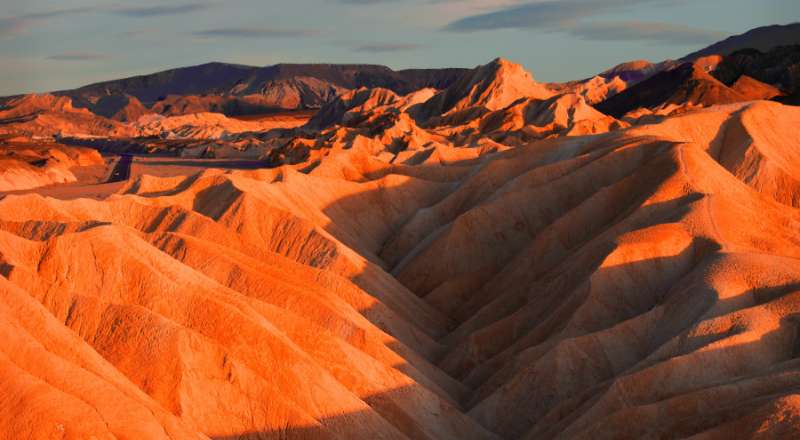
(573, 18)
(387, 47)
(77, 56)
(15, 25)
(55, 13)
(161, 10)
(548, 15)
(246, 32)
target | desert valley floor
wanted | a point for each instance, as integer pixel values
(480, 257)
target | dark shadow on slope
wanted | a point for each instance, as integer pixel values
(600, 206)
(460, 427)
(742, 413)
(563, 309)
(122, 169)
(736, 396)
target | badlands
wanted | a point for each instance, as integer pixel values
(445, 254)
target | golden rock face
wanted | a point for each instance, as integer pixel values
(534, 270)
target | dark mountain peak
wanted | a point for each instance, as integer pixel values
(687, 83)
(762, 38)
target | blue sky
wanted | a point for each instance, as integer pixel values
(48, 45)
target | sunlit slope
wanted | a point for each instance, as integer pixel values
(640, 282)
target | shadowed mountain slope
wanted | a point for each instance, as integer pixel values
(779, 67)
(763, 39)
(686, 86)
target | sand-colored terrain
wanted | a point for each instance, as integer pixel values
(26, 165)
(48, 117)
(495, 260)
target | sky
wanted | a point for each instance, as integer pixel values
(51, 45)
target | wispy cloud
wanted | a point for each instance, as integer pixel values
(533, 15)
(18, 24)
(159, 10)
(658, 32)
(251, 32)
(54, 13)
(574, 17)
(548, 14)
(476, 5)
(387, 47)
(78, 56)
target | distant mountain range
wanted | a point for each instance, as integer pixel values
(235, 89)
(281, 86)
